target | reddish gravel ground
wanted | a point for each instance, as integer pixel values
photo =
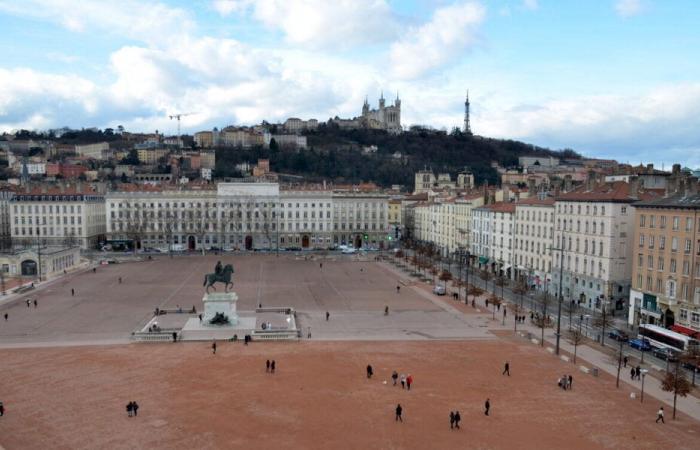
(75, 397)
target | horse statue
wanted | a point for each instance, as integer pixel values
(224, 276)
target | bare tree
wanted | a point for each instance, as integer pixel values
(575, 337)
(543, 321)
(486, 276)
(495, 301)
(445, 276)
(677, 383)
(603, 321)
(520, 289)
(692, 357)
(516, 310)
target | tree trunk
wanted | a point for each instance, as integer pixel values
(575, 348)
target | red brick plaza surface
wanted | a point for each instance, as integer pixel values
(319, 397)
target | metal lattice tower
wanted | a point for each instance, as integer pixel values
(467, 126)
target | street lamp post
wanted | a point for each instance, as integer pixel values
(643, 372)
(561, 282)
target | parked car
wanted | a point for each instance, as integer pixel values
(349, 251)
(665, 354)
(618, 335)
(228, 249)
(640, 344)
(439, 290)
(177, 248)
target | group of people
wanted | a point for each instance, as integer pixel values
(270, 366)
(636, 373)
(406, 380)
(132, 409)
(454, 419)
(29, 303)
(566, 381)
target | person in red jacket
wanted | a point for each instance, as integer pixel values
(409, 381)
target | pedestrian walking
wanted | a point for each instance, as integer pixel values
(624, 361)
(369, 371)
(457, 419)
(129, 409)
(2, 409)
(398, 288)
(213, 348)
(452, 419)
(35, 303)
(632, 373)
(328, 315)
(272, 366)
(504, 312)
(120, 280)
(638, 372)
(660, 415)
(571, 381)
(386, 310)
(29, 302)
(403, 381)
(399, 410)
(72, 292)
(487, 407)
(498, 307)
(320, 265)
(394, 376)
(135, 407)
(174, 336)
(200, 318)
(409, 381)
(506, 369)
(6, 316)
(94, 270)
(267, 365)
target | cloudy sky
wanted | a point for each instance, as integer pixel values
(609, 78)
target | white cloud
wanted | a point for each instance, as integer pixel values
(450, 31)
(531, 4)
(30, 99)
(147, 22)
(624, 126)
(629, 8)
(320, 23)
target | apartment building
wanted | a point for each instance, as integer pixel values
(492, 237)
(594, 227)
(666, 263)
(58, 215)
(534, 239)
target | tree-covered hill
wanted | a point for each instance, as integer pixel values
(338, 154)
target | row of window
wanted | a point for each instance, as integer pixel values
(564, 208)
(651, 242)
(238, 205)
(650, 221)
(672, 268)
(669, 289)
(50, 209)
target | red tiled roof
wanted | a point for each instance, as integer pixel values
(536, 201)
(504, 207)
(617, 191)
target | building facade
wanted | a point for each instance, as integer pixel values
(666, 263)
(534, 239)
(247, 216)
(66, 216)
(594, 228)
(492, 237)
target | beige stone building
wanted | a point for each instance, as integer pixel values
(58, 215)
(534, 238)
(666, 262)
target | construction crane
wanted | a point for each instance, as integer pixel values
(178, 116)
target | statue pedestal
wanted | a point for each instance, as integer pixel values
(220, 302)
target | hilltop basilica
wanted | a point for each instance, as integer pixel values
(384, 118)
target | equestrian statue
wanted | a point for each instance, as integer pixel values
(220, 275)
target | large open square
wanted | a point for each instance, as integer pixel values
(354, 292)
(69, 368)
(319, 397)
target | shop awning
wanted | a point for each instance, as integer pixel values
(685, 330)
(483, 260)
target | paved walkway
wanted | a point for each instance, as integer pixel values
(591, 357)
